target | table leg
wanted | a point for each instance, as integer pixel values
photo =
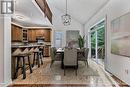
(62, 61)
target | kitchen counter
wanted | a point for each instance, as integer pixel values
(20, 48)
(26, 46)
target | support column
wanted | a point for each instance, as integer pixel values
(5, 49)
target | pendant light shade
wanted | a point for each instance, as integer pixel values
(66, 18)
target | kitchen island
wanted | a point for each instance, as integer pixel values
(24, 49)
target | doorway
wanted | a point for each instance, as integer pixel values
(97, 42)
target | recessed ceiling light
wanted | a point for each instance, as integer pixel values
(19, 17)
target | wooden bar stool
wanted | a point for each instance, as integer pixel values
(19, 57)
(40, 55)
(37, 59)
(42, 50)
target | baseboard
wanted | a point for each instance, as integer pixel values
(2, 85)
(5, 84)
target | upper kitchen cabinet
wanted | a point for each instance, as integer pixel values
(31, 35)
(39, 32)
(25, 35)
(16, 33)
(34, 33)
(47, 35)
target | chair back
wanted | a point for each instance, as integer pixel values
(53, 52)
(70, 57)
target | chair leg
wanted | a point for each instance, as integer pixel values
(52, 61)
(29, 65)
(87, 62)
(64, 71)
(76, 70)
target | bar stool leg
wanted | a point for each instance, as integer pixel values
(17, 68)
(41, 58)
(38, 59)
(29, 65)
(33, 60)
(24, 69)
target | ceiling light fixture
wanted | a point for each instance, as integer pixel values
(66, 18)
(19, 17)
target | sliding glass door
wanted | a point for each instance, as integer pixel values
(93, 45)
(101, 44)
(97, 34)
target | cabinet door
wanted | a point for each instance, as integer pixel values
(47, 35)
(29, 35)
(46, 51)
(39, 32)
(16, 33)
(19, 34)
(32, 35)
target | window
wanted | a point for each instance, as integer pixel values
(58, 39)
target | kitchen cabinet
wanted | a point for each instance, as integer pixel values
(31, 35)
(47, 35)
(25, 35)
(16, 33)
(39, 32)
(46, 51)
(34, 33)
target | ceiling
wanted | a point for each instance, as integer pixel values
(28, 14)
(31, 16)
(81, 10)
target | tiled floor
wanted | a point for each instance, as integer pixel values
(91, 76)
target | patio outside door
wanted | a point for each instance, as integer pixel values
(97, 37)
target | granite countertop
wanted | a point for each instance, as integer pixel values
(25, 46)
(21, 45)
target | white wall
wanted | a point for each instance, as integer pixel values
(2, 49)
(58, 26)
(5, 50)
(114, 63)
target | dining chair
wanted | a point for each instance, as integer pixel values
(70, 58)
(83, 55)
(54, 56)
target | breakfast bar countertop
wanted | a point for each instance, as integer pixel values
(26, 46)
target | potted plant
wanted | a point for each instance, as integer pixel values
(81, 41)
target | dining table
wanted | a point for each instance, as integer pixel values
(61, 51)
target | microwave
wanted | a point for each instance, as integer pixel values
(40, 39)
